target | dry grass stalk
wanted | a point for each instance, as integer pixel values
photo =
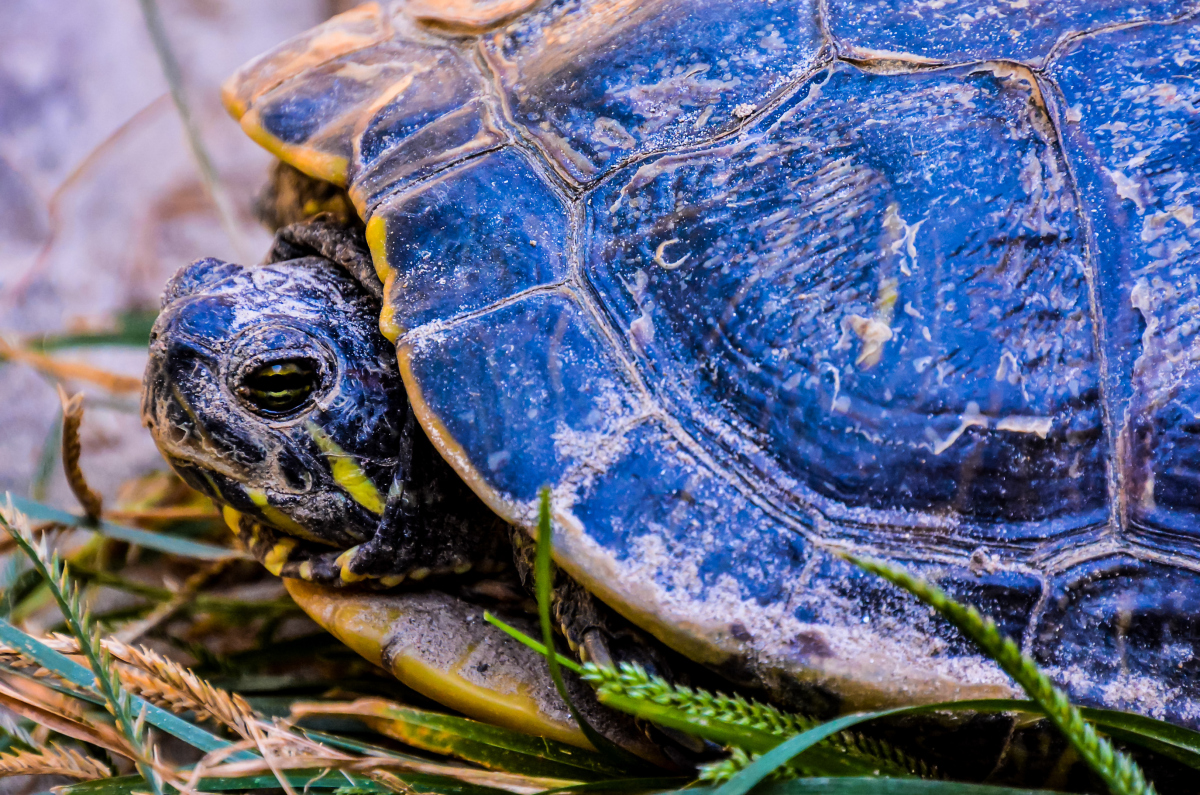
(171, 513)
(509, 782)
(67, 370)
(172, 686)
(273, 741)
(157, 679)
(54, 711)
(15, 291)
(184, 689)
(54, 760)
(164, 611)
(72, 418)
(63, 644)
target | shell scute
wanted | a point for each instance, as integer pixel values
(1132, 101)
(367, 118)
(598, 81)
(449, 262)
(657, 525)
(356, 29)
(314, 118)
(970, 30)
(512, 396)
(1123, 633)
(874, 300)
(436, 115)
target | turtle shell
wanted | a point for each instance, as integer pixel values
(752, 283)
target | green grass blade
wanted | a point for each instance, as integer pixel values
(540, 648)
(818, 761)
(789, 749)
(719, 732)
(132, 330)
(1120, 773)
(1159, 736)
(80, 676)
(657, 784)
(1176, 742)
(144, 538)
(490, 746)
(875, 786)
(16, 588)
(543, 576)
(47, 459)
(105, 682)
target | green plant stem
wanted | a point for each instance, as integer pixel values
(117, 700)
(1120, 773)
(543, 569)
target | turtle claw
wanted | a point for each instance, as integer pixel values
(286, 556)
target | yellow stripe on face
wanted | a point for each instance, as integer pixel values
(347, 472)
(282, 521)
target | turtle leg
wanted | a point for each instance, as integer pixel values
(440, 646)
(326, 236)
(431, 523)
(597, 634)
(291, 196)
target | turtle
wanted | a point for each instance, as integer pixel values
(749, 286)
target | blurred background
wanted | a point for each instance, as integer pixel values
(101, 200)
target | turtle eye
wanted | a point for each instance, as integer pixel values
(280, 387)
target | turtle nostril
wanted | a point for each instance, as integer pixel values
(178, 434)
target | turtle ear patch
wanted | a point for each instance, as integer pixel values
(191, 278)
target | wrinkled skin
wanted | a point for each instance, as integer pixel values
(331, 478)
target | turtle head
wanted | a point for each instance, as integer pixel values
(271, 389)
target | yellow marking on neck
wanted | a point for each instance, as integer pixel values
(346, 471)
(278, 556)
(306, 570)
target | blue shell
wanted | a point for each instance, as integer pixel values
(751, 282)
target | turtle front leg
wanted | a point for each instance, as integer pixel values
(431, 522)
